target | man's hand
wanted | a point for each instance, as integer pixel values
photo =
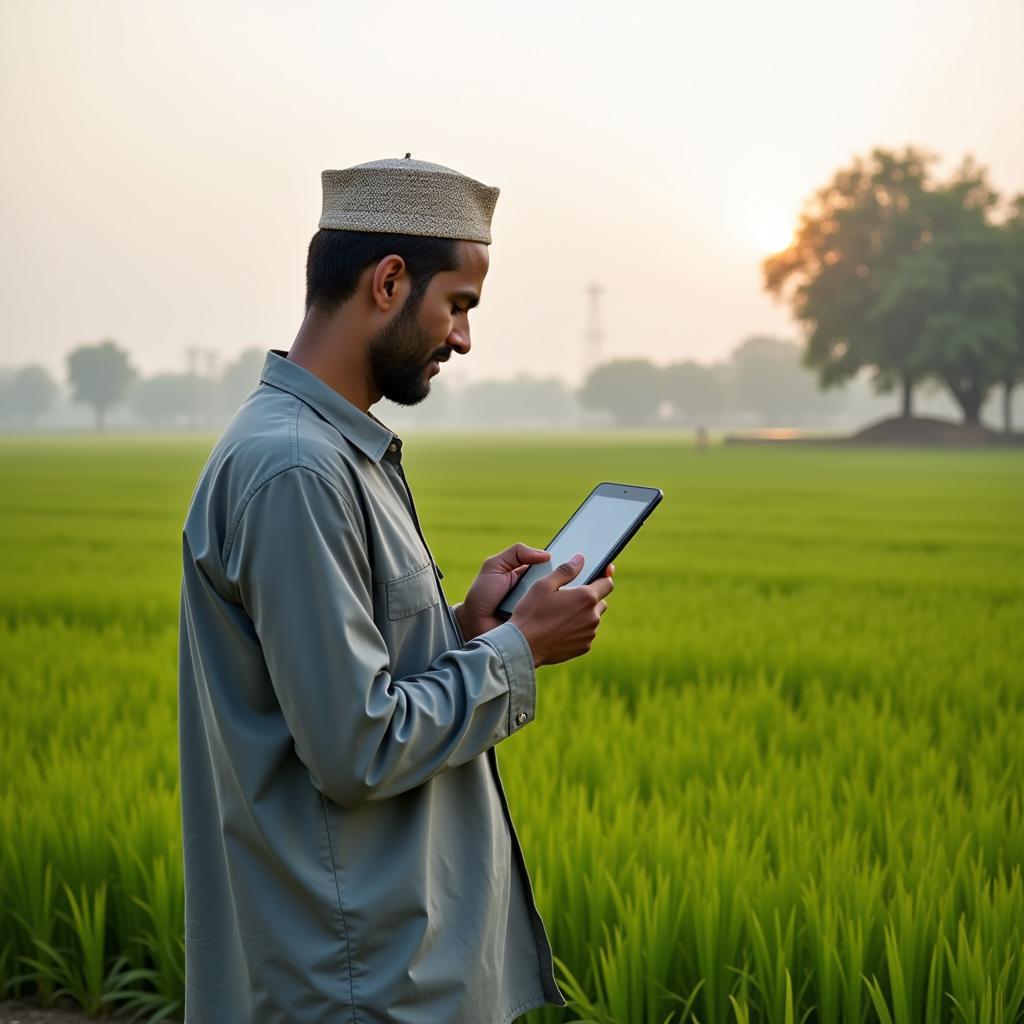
(498, 575)
(558, 621)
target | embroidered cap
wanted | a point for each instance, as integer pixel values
(408, 197)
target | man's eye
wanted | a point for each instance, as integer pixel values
(456, 308)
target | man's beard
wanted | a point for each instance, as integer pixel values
(396, 356)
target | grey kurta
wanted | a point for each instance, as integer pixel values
(349, 855)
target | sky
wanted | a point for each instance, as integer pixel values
(161, 160)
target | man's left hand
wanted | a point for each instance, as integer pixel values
(497, 576)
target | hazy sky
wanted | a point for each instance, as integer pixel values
(161, 161)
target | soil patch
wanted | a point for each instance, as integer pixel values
(21, 1013)
(66, 1013)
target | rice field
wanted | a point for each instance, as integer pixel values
(785, 785)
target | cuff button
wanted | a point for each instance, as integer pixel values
(521, 718)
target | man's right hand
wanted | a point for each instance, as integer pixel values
(560, 624)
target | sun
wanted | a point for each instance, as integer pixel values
(772, 235)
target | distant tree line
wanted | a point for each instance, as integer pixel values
(911, 279)
(763, 382)
(101, 376)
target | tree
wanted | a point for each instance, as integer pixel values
(5, 394)
(239, 378)
(30, 392)
(99, 376)
(769, 379)
(1012, 372)
(696, 392)
(630, 389)
(165, 398)
(850, 237)
(523, 401)
(956, 291)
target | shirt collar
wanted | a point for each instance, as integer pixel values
(363, 429)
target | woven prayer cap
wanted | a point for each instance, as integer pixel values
(408, 197)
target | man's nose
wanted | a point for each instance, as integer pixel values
(459, 340)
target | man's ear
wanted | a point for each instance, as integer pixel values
(389, 283)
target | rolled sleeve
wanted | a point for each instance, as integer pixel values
(300, 562)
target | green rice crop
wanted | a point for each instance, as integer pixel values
(785, 785)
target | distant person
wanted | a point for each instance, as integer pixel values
(701, 440)
(349, 855)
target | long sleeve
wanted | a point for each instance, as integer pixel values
(454, 608)
(299, 560)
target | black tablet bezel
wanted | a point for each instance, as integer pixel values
(649, 497)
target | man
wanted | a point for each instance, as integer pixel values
(349, 855)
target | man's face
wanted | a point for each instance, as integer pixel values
(402, 355)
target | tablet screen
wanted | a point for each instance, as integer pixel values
(593, 531)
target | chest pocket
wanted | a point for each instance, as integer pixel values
(414, 592)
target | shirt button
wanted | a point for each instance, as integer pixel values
(521, 718)
(392, 447)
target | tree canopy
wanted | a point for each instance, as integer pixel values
(29, 392)
(908, 277)
(99, 376)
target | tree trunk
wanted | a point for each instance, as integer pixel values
(970, 396)
(1008, 407)
(970, 403)
(908, 397)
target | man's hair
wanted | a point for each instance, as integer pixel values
(336, 260)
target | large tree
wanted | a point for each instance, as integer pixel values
(957, 291)
(850, 238)
(99, 376)
(30, 392)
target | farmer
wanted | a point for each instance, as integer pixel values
(349, 854)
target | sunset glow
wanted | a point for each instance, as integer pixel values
(771, 235)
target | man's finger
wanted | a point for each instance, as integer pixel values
(515, 556)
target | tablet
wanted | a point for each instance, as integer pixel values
(600, 528)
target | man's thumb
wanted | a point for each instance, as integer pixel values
(568, 570)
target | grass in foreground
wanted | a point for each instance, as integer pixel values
(786, 781)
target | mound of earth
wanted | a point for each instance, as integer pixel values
(923, 430)
(914, 431)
